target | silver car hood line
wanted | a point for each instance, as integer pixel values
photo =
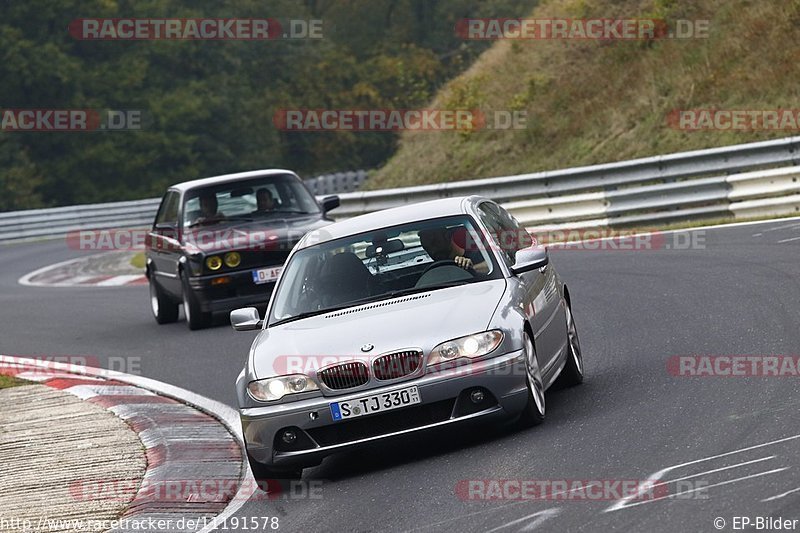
(420, 320)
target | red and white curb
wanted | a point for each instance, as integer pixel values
(190, 441)
(80, 272)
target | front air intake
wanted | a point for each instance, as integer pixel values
(396, 365)
(344, 376)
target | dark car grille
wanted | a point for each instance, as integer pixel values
(264, 258)
(396, 365)
(344, 376)
(372, 426)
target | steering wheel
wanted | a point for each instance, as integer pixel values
(447, 262)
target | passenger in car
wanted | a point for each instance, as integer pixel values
(443, 244)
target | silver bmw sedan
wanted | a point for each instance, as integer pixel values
(399, 321)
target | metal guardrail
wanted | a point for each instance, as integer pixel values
(59, 221)
(652, 190)
(340, 182)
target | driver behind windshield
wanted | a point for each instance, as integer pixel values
(208, 209)
(265, 201)
(443, 244)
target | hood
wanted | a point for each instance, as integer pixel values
(269, 234)
(420, 320)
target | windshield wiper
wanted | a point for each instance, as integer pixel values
(309, 314)
(404, 292)
(293, 211)
(204, 223)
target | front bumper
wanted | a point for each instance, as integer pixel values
(444, 401)
(240, 291)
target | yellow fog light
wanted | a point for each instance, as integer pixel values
(233, 259)
(214, 262)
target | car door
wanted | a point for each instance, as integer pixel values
(163, 244)
(541, 300)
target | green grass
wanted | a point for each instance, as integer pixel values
(589, 102)
(6, 382)
(138, 260)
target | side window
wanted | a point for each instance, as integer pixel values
(494, 224)
(506, 233)
(168, 211)
(515, 235)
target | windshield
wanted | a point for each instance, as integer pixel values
(262, 197)
(377, 265)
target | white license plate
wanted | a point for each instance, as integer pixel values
(376, 403)
(266, 275)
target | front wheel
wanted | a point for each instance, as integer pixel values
(195, 317)
(534, 411)
(164, 309)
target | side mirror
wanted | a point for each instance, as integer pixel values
(246, 319)
(330, 202)
(529, 259)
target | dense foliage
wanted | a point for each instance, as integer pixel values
(208, 106)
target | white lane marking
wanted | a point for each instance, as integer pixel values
(534, 229)
(789, 240)
(757, 234)
(779, 496)
(119, 280)
(26, 279)
(645, 486)
(726, 454)
(46, 376)
(684, 478)
(29, 279)
(786, 226)
(540, 517)
(428, 526)
(706, 487)
(84, 392)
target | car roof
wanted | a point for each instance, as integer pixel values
(216, 180)
(391, 217)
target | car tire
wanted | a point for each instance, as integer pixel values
(195, 317)
(572, 374)
(165, 310)
(534, 412)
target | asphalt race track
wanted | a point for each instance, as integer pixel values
(737, 293)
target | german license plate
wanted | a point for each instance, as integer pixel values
(266, 275)
(375, 403)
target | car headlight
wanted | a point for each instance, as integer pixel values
(233, 259)
(273, 389)
(470, 346)
(214, 262)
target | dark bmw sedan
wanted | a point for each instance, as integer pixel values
(219, 243)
